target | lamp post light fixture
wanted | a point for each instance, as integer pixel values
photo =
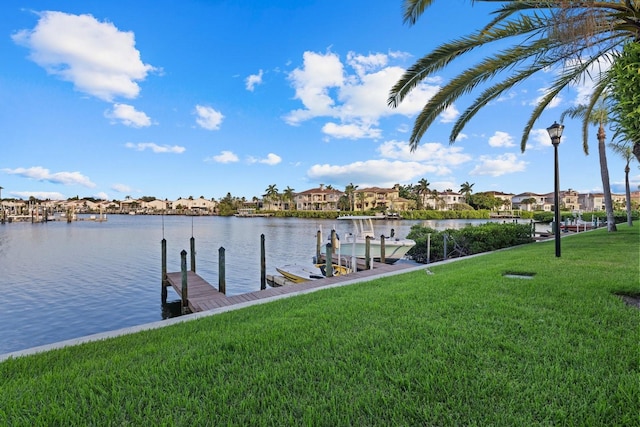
(555, 132)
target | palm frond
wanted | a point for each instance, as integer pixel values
(413, 9)
(440, 57)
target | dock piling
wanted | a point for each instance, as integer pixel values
(382, 254)
(193, 254)
(329, 265)
(367, 253)
(183, 269)
(222, 282)
(163, 281)
(318, 244)
(263, 265)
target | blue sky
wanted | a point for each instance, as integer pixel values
(200, 98)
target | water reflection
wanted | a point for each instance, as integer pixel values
(60, 281)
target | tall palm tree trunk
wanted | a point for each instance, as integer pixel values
(606, 187)
(627, 188)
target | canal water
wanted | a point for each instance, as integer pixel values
(60, 281)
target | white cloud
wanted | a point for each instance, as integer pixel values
(363, 64)
(128, 116)
(208, 118)
(42, 174)
(224, 157)
(312, 83)
(141, 146)
(436, 154)
(498, 166)
(584, 87)
(461, 136)
(351, 131)
(95, 56)
(40, 195)
(271, 159)
(121, 188)
(449, 114)
(543, 92)
(370, 173)
(538, 138)
(253, 80)
(102, 196)
(501, 139)
(355, 93)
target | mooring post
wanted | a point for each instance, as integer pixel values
(329, 261)
(183, 269)
(318, 245)
(428, 247)
(263, 265)
(163, 281)
(367, 254)
(222, 282)
(446, 238)
(193, 254)
(382, 255)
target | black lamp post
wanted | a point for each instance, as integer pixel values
(555, 132)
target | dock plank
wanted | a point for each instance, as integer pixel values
(203, 296)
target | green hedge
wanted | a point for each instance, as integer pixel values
(466, 241)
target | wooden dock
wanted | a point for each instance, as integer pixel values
(203, 296)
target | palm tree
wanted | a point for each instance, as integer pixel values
(439, 203)
(361, 198)
(466, 189)
(574, 36)
(271, 194)
(625, 81)
(421, 190)
(625, 150)
(596, 116)
(348, 190)
(287, 196)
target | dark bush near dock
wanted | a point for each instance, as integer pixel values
(466, 241)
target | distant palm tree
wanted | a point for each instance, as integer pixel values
(361, 198)
(349, 192)
(625, 150)
(422, 189)
(439, 203)
(271, 194)
(574, 36)
(287, 196)
(466, 189)
(596, 116)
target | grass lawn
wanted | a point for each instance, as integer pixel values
(464, 345)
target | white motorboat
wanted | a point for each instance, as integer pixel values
(352, 244)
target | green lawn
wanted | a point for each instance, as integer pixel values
(462, 346)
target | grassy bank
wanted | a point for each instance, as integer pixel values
(464, 345)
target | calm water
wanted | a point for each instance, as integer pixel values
(60, 281)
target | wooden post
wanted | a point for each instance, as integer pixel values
(428, 247)
(329, 261)
(222, 282)
(446, 238)
(367, 254)
(263, 265)
(163, 282)
(183, 269)
(193, 254)
(382, 255)
(318, 245)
